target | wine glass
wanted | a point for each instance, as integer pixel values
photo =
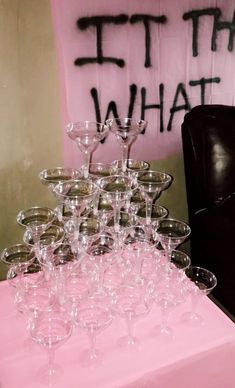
(132, 167)
(52, 176)
(93, 316)
(116, 189)
(126, 131)
(138, 246)
(103, 211)
(157, 213)
(21, 279)
(101, 253)
(36, 220)
(76, 195)
(87, 135)
(200, 283)
(48, 241)
(171, 233)
(131, 302)
(18, 255)
(51, 329)
(64, 263)
(99, 170)
(151, 184)
(126, 221)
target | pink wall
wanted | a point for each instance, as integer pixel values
(176, 68)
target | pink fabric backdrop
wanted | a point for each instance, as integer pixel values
(174, 65)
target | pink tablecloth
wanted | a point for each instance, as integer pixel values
(202, 356)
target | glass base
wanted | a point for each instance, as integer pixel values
(193, 319)
(164, 332)
(90, 359)
(129, 343)
(49, 376)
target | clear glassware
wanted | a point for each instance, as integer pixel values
(116, 189)
(76, 195)
(64, 263)
(36, 220)
(200, 283)
(87, 135)
(171, 233)
(21, 279)
(101, 253)
(132, 167)
(126, 131)
(126, 221)
(53, 176)
(99, 170)
(157, 213)
(138, 245)
(93, 316)
(166, 302)
(170, 290)
(20, 255)
(151, 184)
(131, 302)
(51, 329)
(103, 210)
(49, 240)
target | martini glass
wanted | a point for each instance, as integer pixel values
(100, 253)
(157, 213)
(51, 329)
(138, 247)
(151, 184)
(87, 135)
(93, 316)
(18, 255)
(22, 279)
(116, 189)
(132, 167)
(171, 233)
(48, 242)
(201, 283)
(36, 220)
(99, 170)
(131, 302)
(126, 131)
(103, 210)
(76, 195)
(64, 263)
(126, 221)
(52, 176)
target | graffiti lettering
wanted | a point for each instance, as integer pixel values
(217, 26)
(146, 19)
(98, 22)
(179, 94)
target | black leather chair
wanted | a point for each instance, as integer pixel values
(208, 138)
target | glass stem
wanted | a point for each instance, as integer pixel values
(92, 340)
(138, 264)
(165, 315)
(194, 303)
(101, 278)
(86, 164)
(116, 216)
(129, 326)
(148, 212)
(96, 203)
(51, 360)
(124, 157)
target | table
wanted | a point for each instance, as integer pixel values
(197, 356)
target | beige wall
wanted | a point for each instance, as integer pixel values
(31, 134)
(29, 110)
